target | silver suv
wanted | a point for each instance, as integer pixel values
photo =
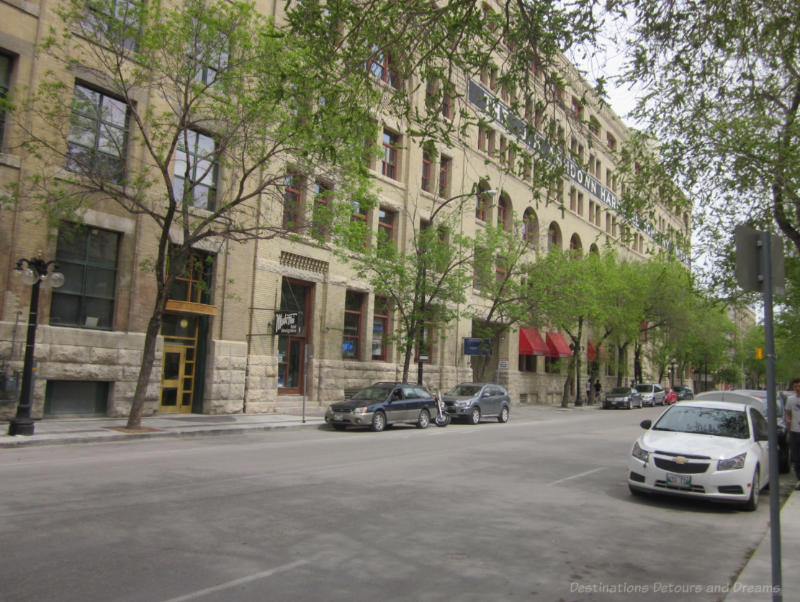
(474, 401)
(653, 394)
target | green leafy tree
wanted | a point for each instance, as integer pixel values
(202, 87)
(560, 290)
(500, 269)
(722, 83)
(425, 282)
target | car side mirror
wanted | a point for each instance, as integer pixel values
(646, 424)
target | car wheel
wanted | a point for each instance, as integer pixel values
(378, 422)
(424, 419)
(339, 427)
(475, 415)
(752, 502)
(503, 417)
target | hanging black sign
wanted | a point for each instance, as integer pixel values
(288, 322)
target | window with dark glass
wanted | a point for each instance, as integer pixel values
(480, 207)
(87, 257)
(381, 67)
(427, 168)
(358, 235)
(293, 201)
(193, 284)
(116, 20)
(97, 135)
(529, 227)
(6, 62)
(322, 207)
(425, 349)
(386, 219)
(195, 178)
(503, 216)
(351, 338)
(380, 329)
(445, 168)
(391, 155)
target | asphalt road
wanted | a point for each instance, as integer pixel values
(536, 509)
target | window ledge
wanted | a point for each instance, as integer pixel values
(10, 160)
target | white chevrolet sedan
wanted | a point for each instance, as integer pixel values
(706, 449)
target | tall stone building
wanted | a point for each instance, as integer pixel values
(230, 341)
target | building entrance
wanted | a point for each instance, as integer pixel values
(179, 364)
(296, 296)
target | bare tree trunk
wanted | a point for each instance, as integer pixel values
(570, 374)
(148, 358)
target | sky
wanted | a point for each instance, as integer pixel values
(608, 61)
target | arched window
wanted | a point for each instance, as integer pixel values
(553, 236)
(504, 211)
(530, 227)
(575, 245)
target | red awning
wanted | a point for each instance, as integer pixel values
(531, 342)
(557, 346)
(591, 352)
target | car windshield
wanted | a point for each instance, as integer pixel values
(620, 391)
(644, 388)
(704, 421)
(464, 390)
(375, 393)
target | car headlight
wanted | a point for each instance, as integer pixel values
(734, 463)
(462, 403)
(361, 410)
(639, 453)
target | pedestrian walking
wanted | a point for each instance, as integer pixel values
(588, 390)
(793, 420)
(597, 389)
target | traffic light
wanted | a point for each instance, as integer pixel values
(759, 353)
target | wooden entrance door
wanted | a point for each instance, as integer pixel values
(176, 397)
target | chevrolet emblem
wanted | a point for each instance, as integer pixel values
(681, 460)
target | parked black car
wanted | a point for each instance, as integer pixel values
(474, 401)
(623, 397)
(683, 392)
(382, 404)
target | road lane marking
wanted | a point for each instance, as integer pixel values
(577, 476)
(223, 586)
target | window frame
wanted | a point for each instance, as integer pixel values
(87, 265)
(381, 315)
(358, 314)
(390, 159)
(89, 163)
(6, 73)
(192, 160)
(292, 215)
(427, 171)
(445, 169)
(386, 224)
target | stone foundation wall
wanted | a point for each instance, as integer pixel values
(226, 375)
(81, 355)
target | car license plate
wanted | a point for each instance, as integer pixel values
(679, 480)
(337, 416)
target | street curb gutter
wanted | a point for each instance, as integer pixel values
(114, 437)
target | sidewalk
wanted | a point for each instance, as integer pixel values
(53, 431)
(754, 583)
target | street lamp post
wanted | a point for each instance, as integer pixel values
(35, 272)
(421, 359)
